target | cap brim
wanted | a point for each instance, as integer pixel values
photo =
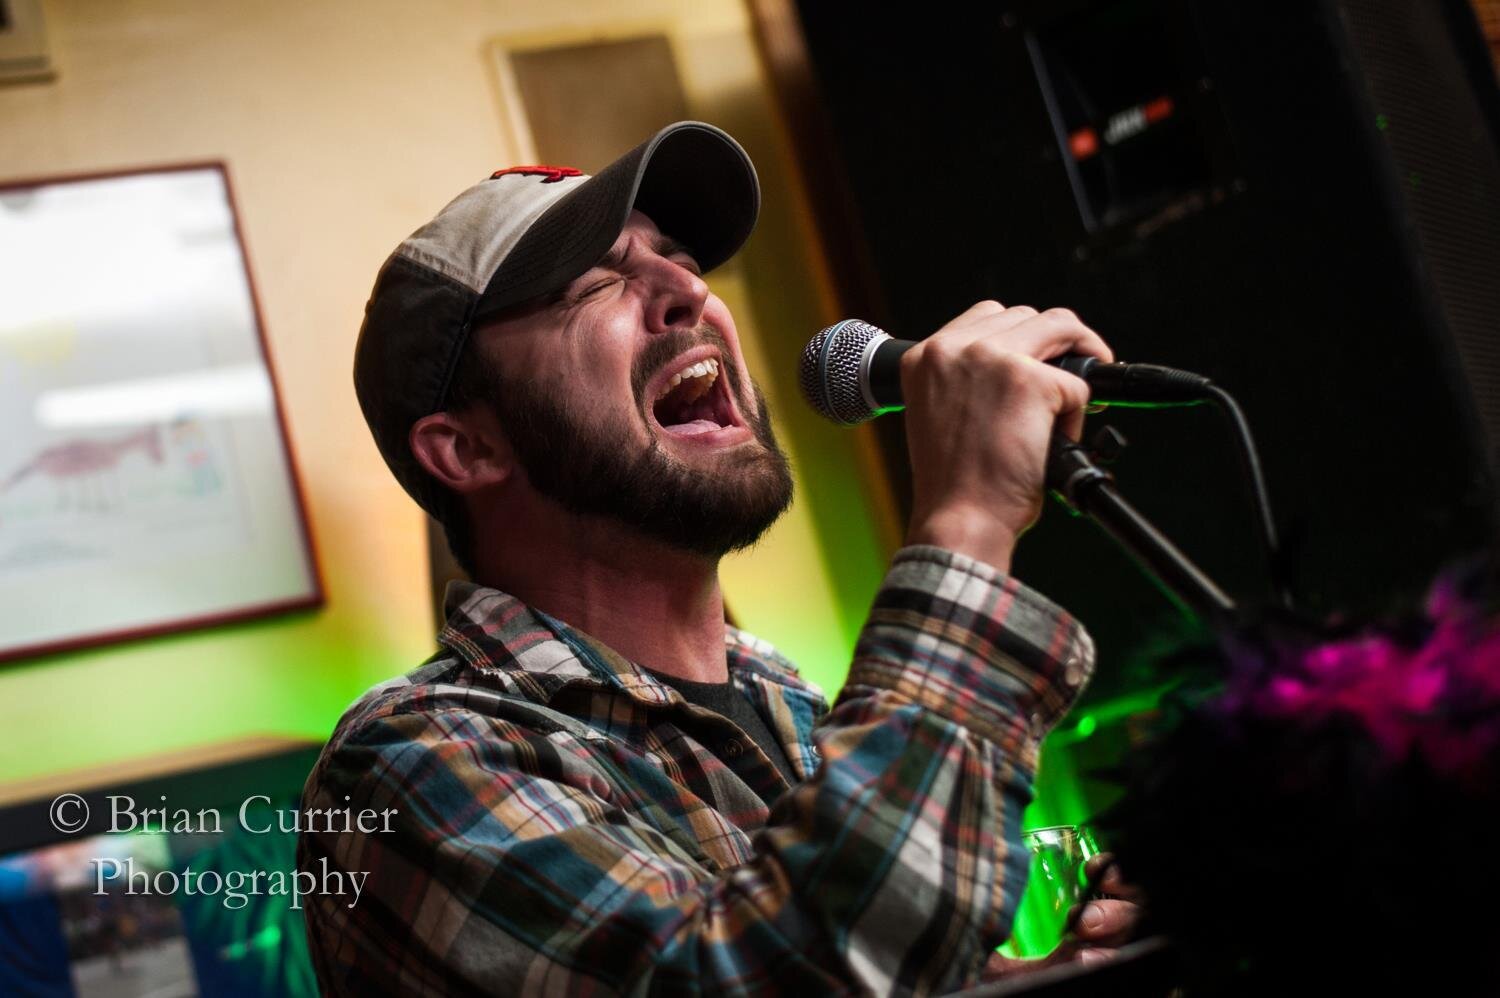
(692, 179)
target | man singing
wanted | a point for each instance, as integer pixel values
(599, 787)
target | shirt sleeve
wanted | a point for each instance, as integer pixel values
(517, 863)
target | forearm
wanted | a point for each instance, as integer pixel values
(993, 659)
(975, 646)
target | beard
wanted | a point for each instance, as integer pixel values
(594, 465)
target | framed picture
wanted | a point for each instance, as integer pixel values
(146, 484)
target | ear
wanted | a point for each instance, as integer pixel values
(466, 451)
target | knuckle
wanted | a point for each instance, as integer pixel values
(1063, 316)
(980, 351)
(939, 352)
(1075, 394)
(1009, 370)
(910, 361)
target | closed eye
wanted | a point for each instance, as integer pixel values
(594, 288)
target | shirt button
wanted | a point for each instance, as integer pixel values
(733, 748)
(1038, 725)
(1073, 670)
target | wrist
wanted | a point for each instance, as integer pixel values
(979, 534)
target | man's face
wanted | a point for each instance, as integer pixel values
(626, 395)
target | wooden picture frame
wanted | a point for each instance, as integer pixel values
(146, 479)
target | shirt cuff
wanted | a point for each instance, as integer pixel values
(973, 644)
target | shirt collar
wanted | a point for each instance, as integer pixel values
(491, 630)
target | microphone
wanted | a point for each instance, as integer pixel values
(851, 372)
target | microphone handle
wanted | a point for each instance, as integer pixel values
(884, 375)
(1109, 384)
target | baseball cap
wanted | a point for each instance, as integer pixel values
(528, 231)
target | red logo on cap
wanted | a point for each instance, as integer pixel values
(552, 173)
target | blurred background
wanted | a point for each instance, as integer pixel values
(205, 560)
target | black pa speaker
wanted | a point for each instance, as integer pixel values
(1299, 199)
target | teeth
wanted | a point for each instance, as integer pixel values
(704, 368)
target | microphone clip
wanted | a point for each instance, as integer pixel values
(1073, 469)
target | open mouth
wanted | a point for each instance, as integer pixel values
(695, 400)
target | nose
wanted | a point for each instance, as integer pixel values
(677, 300)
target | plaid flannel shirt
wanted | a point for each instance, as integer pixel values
(567, 824)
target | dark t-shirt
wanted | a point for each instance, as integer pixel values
(723, 698)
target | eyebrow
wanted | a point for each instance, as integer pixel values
(667, 246)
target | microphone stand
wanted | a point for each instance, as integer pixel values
(1088, 489)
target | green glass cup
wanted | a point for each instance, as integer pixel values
(1056, 883)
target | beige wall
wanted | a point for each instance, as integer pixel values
(344, 126)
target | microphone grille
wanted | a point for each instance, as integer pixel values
(829, 373)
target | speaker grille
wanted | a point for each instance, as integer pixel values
(1448, 173)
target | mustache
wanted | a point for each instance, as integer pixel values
(663, 348)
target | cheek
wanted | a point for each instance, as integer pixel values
(596, 372)
(593, 356)
(716, 314)
(608, 345)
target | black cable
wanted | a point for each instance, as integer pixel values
(1150, 386)
(1260, 496)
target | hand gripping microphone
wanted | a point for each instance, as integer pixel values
(851, 372)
